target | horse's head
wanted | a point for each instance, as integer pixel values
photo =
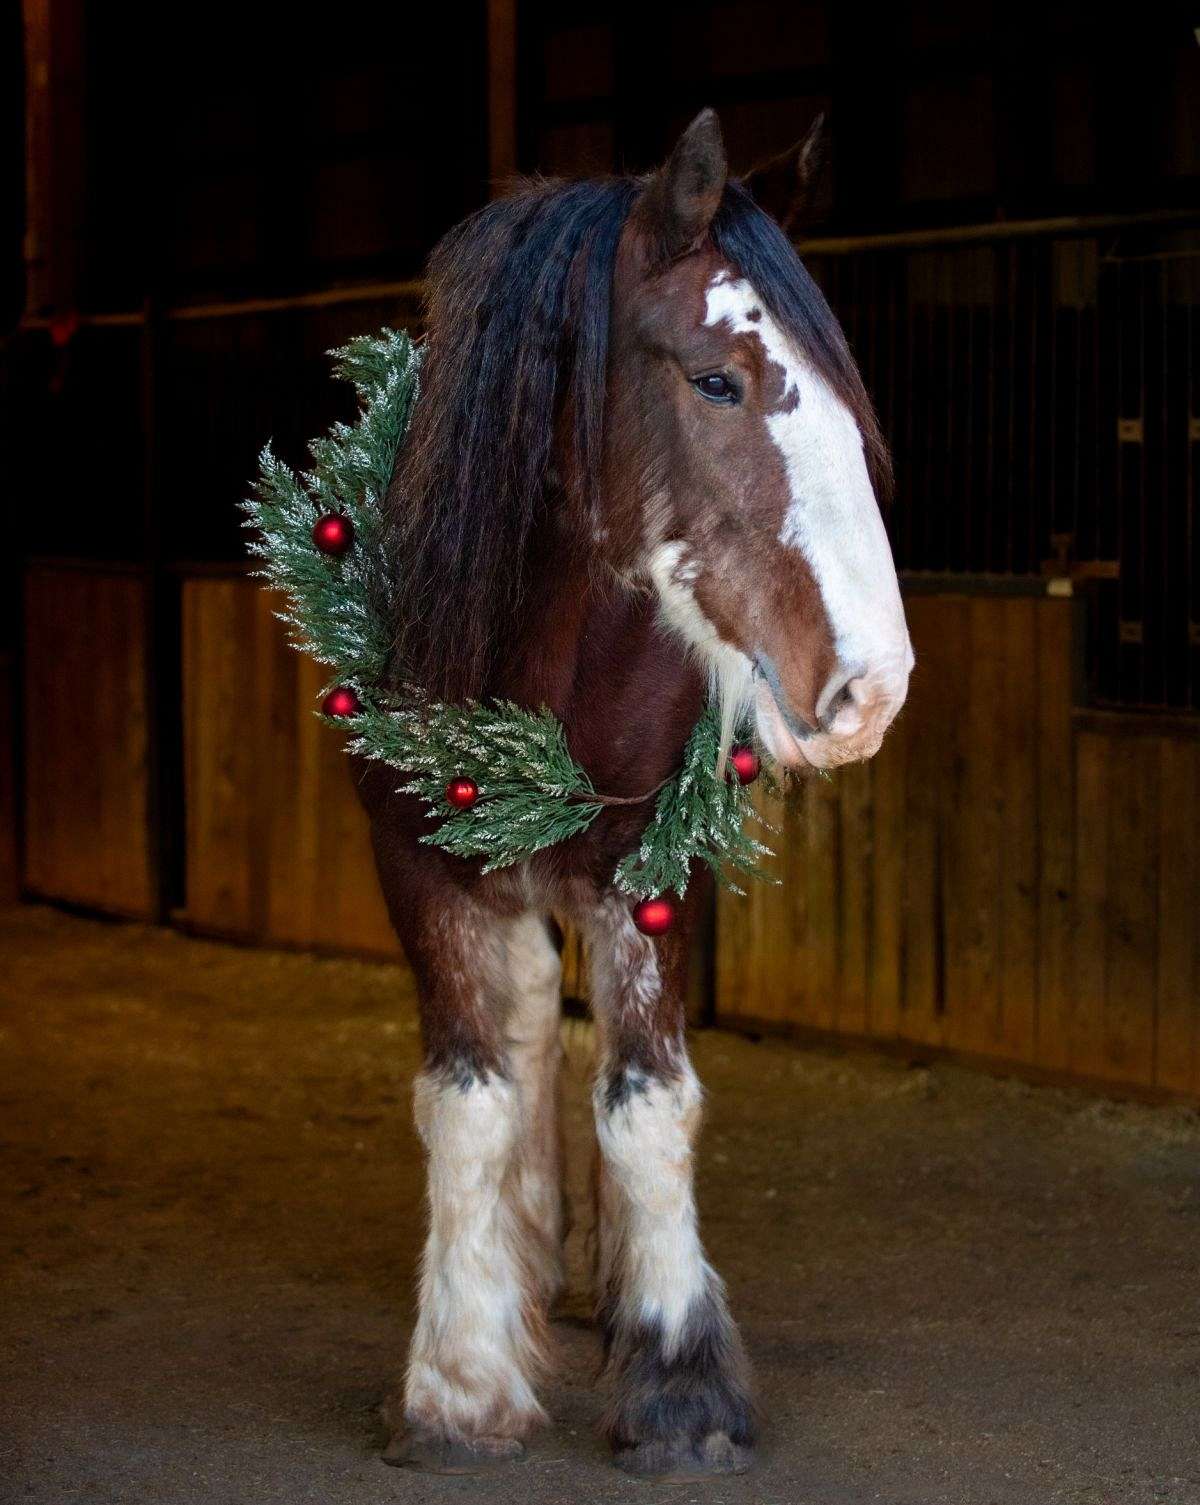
(742, 462)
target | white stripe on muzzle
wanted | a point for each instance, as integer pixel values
(832, 516)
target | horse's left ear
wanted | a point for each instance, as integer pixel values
(786, 185)
(685, 193)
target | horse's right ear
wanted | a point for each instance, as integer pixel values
(684, 194)
(786, 185)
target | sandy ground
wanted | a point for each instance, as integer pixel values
(953, 1289)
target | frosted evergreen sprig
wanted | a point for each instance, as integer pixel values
(697, 815)
(337, 608)
(532, 793)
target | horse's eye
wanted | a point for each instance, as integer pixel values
(716, 387)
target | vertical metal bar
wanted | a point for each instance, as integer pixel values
(502, 92)
(1077, 402)
(1190, 417)
(1102, 282)
(1119, 465)
(993, 315)
(1193, 619)
(1054, 314)
(931, 402)
(1012, 404)
(947, 281)
(871, 267)
(1166, 648)
(1143, 276)
(1037, 274)
(152, 605)
(909, 420)
(970, 263)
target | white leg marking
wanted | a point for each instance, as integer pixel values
(535, 1056)
(646, 1140)
(651, 1258)
(472, 1353)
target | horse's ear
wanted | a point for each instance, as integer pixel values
(685, 193)
(786, 185)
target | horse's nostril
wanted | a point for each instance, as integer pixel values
(837, 695)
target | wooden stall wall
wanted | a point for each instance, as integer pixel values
(277, 847)
(1006, 880)
(87, 830)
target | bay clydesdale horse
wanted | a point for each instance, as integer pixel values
(642, 470)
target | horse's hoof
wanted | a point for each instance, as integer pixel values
(431, 1453)
(679, 1460)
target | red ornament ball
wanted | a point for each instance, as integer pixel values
(341, 702)
(654, 916)
(462, 793)
(745, 764)
(333, 533)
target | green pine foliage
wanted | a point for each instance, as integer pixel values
(338, 608)
(698, 815)
(532, 793)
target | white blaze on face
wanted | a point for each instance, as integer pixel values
(832, 516)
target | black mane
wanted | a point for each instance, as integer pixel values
(518, 307)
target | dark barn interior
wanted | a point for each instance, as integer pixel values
(963, 1228)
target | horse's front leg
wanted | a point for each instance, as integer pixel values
(680, 1404)
(484, 1111)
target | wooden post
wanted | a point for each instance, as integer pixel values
(54, 153)
(502, 92)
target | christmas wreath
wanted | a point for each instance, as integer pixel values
(499, 779)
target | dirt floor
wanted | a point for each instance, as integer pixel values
(953, 1289)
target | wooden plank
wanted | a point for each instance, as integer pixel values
(940, 643)
(1092, 782)
(87, 837)
(754, 954)
(777, 951)
(820, 946)
(222, 719)
(889, 774)
(855, 844)
(1177, 1023)
(974, 928)
(1132, 930)
(1017, 1022)
(278, 847)
(1055, 812)
(292, 748)
(775, 986)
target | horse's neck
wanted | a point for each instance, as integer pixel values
(593, 653)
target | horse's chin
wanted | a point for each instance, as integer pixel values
(776, 736)
(821, 750)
